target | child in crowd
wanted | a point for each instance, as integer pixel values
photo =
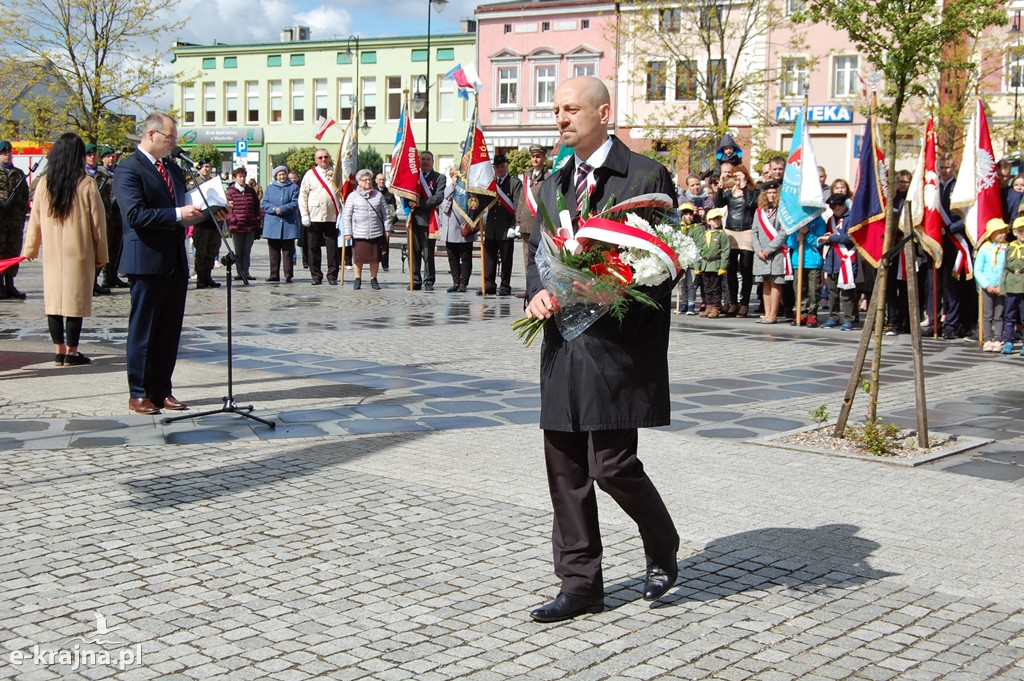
(840, 266)
(1012, 286)
(805, 241)
(686, 301)
(988, 271)
(714, 259)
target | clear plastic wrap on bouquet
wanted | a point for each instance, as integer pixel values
(573, 312)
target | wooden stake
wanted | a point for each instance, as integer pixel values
(910, 255)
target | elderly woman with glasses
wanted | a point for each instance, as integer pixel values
(366, 220)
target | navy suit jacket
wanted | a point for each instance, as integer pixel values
(154, 240)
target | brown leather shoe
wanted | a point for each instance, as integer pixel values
(742, 311)
(171, 404)
(142, 405)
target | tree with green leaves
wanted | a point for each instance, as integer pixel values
(906, 41)
(302, 160)
(82, 65)
(370, 159)
(700, 51)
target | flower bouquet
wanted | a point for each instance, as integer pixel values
(606, 263)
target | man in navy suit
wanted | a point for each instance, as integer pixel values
(150, 189)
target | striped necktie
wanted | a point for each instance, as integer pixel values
(167, 178)
(582, 172)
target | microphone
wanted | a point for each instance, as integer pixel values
(178, 152)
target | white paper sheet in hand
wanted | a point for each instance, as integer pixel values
(214, 191)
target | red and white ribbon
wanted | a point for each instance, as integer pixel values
(770, 232)
(609, 231)
(847, 256)
(531, 200)
(962, 265)
(325, 183)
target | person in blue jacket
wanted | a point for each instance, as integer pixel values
(805, 240)
(281, 223)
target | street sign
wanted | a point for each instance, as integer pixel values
(241, 147)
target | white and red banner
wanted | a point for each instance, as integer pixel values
(531, 200)
(405, 162)
(466, 79)
(322, 124)
(346, 166)
(612, 232)
(475, 186)
(977, 184)
(924, 199)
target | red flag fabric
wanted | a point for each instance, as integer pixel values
(867, 212)
(405, 163)
(924, 199)
(10, 262)
(977, 183)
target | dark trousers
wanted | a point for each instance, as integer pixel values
(897, 310)
(955, 294)
(385, 253)
(575, 461)
(154, 329)
(206, 240)
(741, 265)
(842, 302)
(276, 248)
(243, 242)
(323, 234)
(495, 250)
(114, 231)
(422, 257)
(460, 262)
(712, 289)
(1013, 315)
(64, 327)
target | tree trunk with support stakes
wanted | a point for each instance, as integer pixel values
(913, 310)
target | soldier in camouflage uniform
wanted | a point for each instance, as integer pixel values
(13, 208)
(205, 236)
(105, 183)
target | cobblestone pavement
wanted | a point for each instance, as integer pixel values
(395, 524)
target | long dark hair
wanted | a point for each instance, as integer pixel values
(65, 166)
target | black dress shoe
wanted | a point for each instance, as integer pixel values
(567, 606)
(489, 292)
(428, 287)
(461, 289)
(659, 580)
(453, 289)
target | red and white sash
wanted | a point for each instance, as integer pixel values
(503, 198)
(963, 268)
(847, 256)
(770, 232)
(619, 234)
(531, 200)
(329, 188)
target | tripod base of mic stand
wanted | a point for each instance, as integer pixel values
(229, 408)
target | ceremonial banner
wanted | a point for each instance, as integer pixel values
(924, 199)
(800, 199)
(467, 80)
(475, 187)
(976, 192)
(405, 163)
(867, 212)
(345, 167)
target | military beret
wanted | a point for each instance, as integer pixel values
(90, 148)
(4, 146)
(106, 151)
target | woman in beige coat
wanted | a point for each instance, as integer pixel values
(69, 219)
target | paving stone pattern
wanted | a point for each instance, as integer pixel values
(395, 524)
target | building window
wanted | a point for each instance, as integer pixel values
(716, 77)
(844, 76)
(273, 60)
(320, 97)
(711, 19)
(297, 60)
(446, 54)
(545, 79)
(370, 99)
(446, 100)
(394, 97)
(585, 69)
(276, 102)
(686, 80)
(231, 102)
(344, 58)
(252, 101)
(793, 6)
(231, 62)
(508, 85)
(420, 115)
(584, 23)
(209, 62)
(188, 103)
(656, 81)
(346, 98)
(545, 25)
(1014, 68)
(670, 20)
(209, 103)
(794, 75)
(419, 55)
(298, 101)
(368, 58)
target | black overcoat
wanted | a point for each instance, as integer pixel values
(611, 376)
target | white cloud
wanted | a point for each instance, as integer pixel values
(326, 22)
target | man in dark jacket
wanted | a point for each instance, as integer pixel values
(13, 207)
(500, 229)
(431, 195)
(599, 388)
(533, 178)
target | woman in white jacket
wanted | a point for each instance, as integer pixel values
(365, 220)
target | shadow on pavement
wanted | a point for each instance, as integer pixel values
(179, 489)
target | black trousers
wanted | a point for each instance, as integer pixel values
(323, 234)
(422, 257)
(495, 250)
(460, 262)
(277, 248)
(575, 461)
(741, 264)
(154, 329)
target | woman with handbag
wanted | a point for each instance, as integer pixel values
(457, 235)
(366, 221)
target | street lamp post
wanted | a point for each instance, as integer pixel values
(354, 99)
(438, 6)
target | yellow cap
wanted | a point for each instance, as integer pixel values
(1017, 224)
(714, 213)
(687, 206)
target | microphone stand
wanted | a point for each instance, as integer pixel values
(228, 260)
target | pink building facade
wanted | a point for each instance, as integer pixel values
(524, 52)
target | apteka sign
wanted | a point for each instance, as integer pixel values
(818, 113)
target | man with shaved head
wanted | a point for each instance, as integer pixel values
(599, 388)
